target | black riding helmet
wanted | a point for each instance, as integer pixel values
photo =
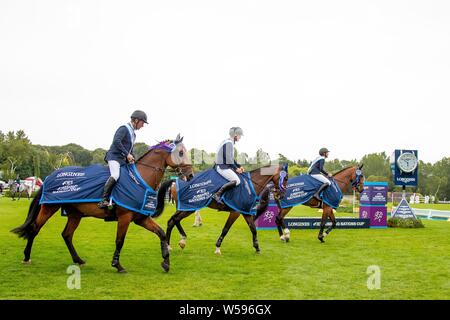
(140, 115)
(323, 151)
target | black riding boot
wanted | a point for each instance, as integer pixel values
(106, 193)
(322, 188)
(225, 187)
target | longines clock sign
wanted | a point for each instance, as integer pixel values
(404, 166)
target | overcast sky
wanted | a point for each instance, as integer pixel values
(355, 76)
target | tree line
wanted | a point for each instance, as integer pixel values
(19, 157)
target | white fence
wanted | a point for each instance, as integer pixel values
(430, 213)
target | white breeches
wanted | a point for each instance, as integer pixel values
(229, 174)
(114, 168)
(321, 178)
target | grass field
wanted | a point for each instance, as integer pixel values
(415, 264)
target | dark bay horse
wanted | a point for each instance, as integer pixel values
(351, 176)
(260, 178)
(151, 166)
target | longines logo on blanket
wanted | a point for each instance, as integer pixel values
(70, 174)
(201, 184)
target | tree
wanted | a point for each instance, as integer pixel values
(98, 156)
(283, 159)
(16, 154)
(441, 171)
(377, 164)
(295, 170)
(140, 149)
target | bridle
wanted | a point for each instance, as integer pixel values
(277, 190)
(355, 183)
(179, 170)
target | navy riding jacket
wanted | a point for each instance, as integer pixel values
(122, 145)
(317, 167)
(225, 156)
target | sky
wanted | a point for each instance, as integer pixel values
(356, 77)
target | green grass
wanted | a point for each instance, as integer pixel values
(414, 263)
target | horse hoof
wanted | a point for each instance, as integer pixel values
(169, 248)
(217, 252)
(26, 262)
(81, 263)
(321, 239)
(182, 244)
(122, 270)
(258, 252)
(166, 266)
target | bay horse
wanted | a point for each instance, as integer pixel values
(260, 178)
(350, 176)
(151, 166)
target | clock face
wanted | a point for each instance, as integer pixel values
(407, 162)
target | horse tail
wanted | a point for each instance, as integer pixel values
(161, 197)
(25, 230)
(263, 203)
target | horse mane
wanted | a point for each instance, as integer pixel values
(340, 171)
(161, 146)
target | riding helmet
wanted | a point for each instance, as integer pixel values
(323, 151)
(140, 115)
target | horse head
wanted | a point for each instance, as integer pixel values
(351, 176)
(357, 178)
(278, 178)
(174, 155)
(281, 180)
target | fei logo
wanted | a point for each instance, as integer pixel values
(374, 280)
(74, 280)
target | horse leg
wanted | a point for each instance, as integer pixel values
(182, 242)
(149, 224)
(231, 219)
(175, 221)
(333, 222)
(170, 224)
(73, 220)
(124, 219)
(285, 233)
(45, 213)
(322, 226)
(251, 224)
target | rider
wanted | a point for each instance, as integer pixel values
(121, 152)
(18, 183)
(317, 172)
(225, 164)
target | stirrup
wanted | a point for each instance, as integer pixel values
(217, 198)
(104, 204)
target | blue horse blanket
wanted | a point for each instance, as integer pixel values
(77, 184)
(301, 189)
(197, 193)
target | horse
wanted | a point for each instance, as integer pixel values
(151, 166)
(350, 176)
(260, 178)
(18, 188)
